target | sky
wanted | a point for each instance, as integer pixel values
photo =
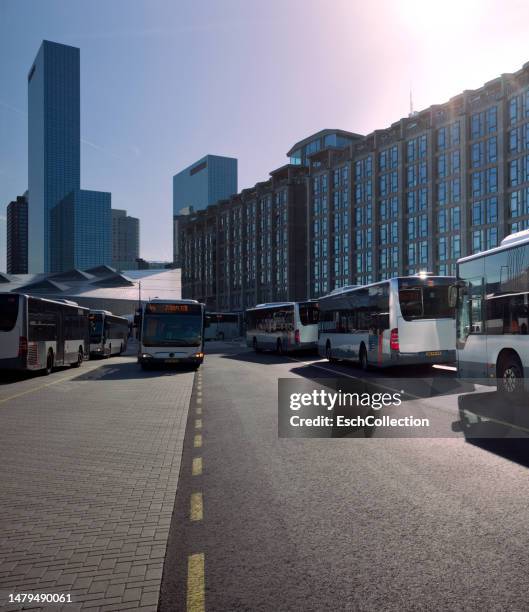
(165, 82)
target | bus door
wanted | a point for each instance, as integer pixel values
(470, 329)
(59, 356)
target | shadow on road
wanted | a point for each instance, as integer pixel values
(119, 370)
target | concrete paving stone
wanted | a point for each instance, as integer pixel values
(98, 586)
(132, 594)
(115, 590)
(149, 598)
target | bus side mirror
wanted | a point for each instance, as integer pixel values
(453, 293)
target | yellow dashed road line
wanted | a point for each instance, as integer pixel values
(196, 597)
(198, 423)
(198, 441)
(196, 510)
(197, 466)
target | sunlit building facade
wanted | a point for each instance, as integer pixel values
(249, 248)
(443, 183)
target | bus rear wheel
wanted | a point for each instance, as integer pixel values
(80, 357)
(49, 363)
(510, 376)
(364, 364)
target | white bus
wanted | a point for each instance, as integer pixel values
(171, 332)
(492, 296)
(108, 333)
(283, 326)
(39, 334)
(223, 325)
(400, 321)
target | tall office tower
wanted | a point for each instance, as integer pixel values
(53, 143)
(17, 236)
(125, 240)
(83, 226)
(208, 180)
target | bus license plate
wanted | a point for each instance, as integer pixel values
(433, 354)
(172, 360)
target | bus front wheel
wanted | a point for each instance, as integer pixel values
(510, 375)
(328, 353)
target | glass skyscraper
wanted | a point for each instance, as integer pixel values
(205, 182)
(53, 144)
(82, 223)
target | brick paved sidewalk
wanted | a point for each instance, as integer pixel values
(88, 475)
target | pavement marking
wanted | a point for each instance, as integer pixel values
(199, 410)
(199, 400)
(439, 366)
(197, 466)
(196, 510)
(199, 393)
(196, 583)
(198, 441)
(198, 423)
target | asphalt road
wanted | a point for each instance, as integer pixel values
(262, 523)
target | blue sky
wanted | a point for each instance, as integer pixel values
(165, 82)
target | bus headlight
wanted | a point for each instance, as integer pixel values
(199, 355)
(146, 356)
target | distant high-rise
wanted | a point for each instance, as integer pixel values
(125, 240)
(208, 180)
(53, 143)
(83, 226)
(17, 236)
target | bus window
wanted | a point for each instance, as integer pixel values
(8, 312)
(42, 321)
(424, 300)
(309, 314)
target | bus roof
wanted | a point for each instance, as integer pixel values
(62, 302)
(271, 305)
(508, 242)
(351, 288)
(168, 301)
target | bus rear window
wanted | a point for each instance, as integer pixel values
(8, 312)
(309, 314)
(424, 302)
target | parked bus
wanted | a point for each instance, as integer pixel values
(39, 334)
(283, 326)
(400, 321)
(492, 297)
(222, 325)
(108, 333)
(171, 332)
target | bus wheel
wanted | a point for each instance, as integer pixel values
(279, 348)
(121, 348)
(364, 364)
(328, 353)
(49, 363)
(255, 346)
(80, 356)
(510, 376)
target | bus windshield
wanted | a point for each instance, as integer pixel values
(425, 299)
(8, 312)
(172, 330)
